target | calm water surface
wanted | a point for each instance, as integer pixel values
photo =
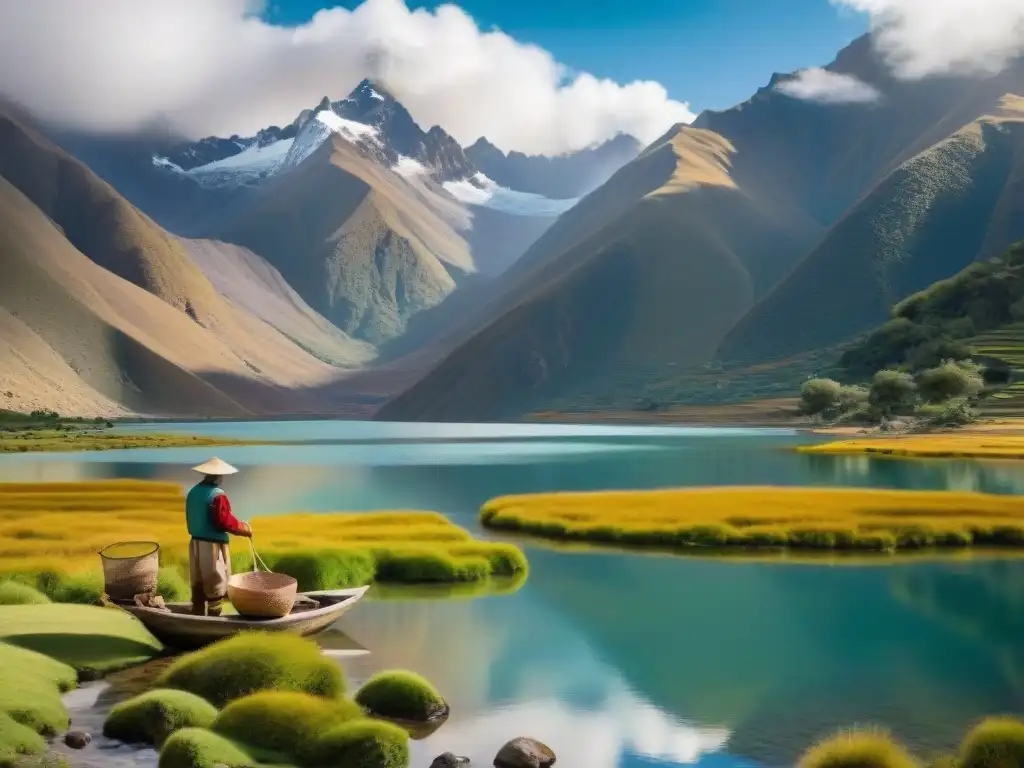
(620, 660)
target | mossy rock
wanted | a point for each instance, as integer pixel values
(153, 716)
(256, 661)
(30, 689)
(858, 749)
(17, 741)
(996, 742)
(199, 748)
(401, 695)
(362, 744)
(280, 723)
(16, 593)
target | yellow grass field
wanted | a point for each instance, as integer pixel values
(978, 445)
(772, 518)
(56, 440)
(61, 527)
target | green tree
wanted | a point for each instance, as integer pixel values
(893, 392)
(950, 380)
(818, 396)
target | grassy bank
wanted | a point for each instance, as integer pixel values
(977, 445)
(50, 534)
(766, 518)
(40, 440)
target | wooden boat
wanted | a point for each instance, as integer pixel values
(176, 627)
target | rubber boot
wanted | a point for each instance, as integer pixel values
(198, 601)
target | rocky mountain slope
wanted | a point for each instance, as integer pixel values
(812, 217)
(105, 312)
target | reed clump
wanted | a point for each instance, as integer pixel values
(993, 743)
(928, 446)
(50, 534)
(766, 518)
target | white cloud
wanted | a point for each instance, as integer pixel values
(828, 87)
(932, 37)
(211, 67)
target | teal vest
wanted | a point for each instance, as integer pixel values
(197, 513)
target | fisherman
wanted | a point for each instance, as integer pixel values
(209, 518)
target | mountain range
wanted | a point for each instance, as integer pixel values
(351, 257)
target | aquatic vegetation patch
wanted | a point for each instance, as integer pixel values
(16, 593)
(928, 446)
(93, 641)
(151, 717)
(281, 723)
(50, 534)
(18, 741)
(199, 748)
(858, 749)
(766, 518)
(252, 662)
(31, 685)
(401, 695)
(994, 742)
(363, 744)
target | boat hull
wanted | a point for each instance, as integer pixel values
(177, 628)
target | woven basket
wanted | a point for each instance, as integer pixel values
(262, 595)
(126, 573)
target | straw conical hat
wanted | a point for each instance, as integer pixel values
(215, 467)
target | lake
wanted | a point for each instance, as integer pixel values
(628, 660)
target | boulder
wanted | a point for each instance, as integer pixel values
(448, 760)
(77, 739)
(524, 753)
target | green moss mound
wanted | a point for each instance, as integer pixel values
(16, 593)
(17, 741)
(327, 569)
(425, 567)
(198, 748)
(172, 585)
(95, 641)
(858, 749)
(401, 695)
(363, 744)
(996, 742)
(153, 716)
(256, 661)
(30, 689)
(282, 723)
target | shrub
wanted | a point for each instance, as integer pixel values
(82, 588)
(996, 742)
(171, 585)
(857, 749)
(153, 716)
(283, 723)
(425, 566)
(16, 593)
(17, 740)
(401, 695)
(363, 744)
(819, 396)
(852, 398)
(955, 413)
(327, 569)
(255, 661)
(197, 748)
(949, 381)
(892, 392)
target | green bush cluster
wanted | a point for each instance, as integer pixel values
(282, 725)
(16, 593)
(199, 748)
(401, 695)
(153, 716)
(256, 661)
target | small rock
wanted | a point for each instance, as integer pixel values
(524, 753)
(77, 739)
(448, 760)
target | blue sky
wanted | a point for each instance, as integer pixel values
(712, 53)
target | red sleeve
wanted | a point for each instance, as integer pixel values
(220, 509)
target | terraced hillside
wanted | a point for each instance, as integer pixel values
(1007, 345)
